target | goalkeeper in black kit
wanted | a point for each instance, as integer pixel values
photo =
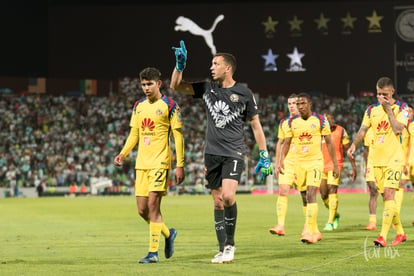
(229, 105)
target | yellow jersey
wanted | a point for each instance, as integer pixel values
(410, 128)
(386, 149)
(368, 142)
(283, 126)
(307, 137)
(152, 124)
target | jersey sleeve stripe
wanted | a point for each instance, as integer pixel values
(172, 106)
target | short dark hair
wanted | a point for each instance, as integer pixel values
(150, 73)
(229, 59)
(384, 82)
(305, 95)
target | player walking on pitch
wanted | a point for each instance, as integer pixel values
(329, 184)
(287, 179)
(387, 118)
(306, 132)
(152, 121)
(228, 105)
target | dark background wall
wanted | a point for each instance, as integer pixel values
(112, 39)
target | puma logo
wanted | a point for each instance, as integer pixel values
(185, 24)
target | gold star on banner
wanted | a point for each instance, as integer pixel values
(322, 22)
(348, 21)
(374, 22)
(295, 23)
(270, 25)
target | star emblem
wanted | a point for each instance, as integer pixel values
(374, 22)
(295, 24)
(270, 25)
(296, 61)
(322, 22)
(270, 61)
(348, 21)
(295, 57)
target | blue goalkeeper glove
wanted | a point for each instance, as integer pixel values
(180, 56)
(264, 165)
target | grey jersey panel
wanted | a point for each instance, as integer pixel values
(227, 111)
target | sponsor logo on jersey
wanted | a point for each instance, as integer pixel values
(147, 141)
(305, 136)
(383, 125)
(147, 124)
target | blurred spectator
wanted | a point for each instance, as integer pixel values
(60, 139)
(73, 188)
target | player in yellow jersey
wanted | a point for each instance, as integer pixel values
(387, 118)
(287, 179)
(329, 184)
(306, 132)
(399, 195)
(153, 120)
(410, 129)
(370, 180)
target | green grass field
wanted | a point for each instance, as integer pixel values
(105, 236)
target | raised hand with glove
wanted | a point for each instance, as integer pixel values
(180, 56)
(264, 165)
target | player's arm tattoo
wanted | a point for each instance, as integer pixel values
(359, 137)
(396, 126)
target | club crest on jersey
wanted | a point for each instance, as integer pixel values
(405, 114)
(158, 112)
(147, 124)
(234, 98)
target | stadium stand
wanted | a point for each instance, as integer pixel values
(55, 141)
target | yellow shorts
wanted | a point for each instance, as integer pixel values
(411, 171)
(152, 180)
(288, 178)
(331, 180)
(307, 176)
(369, 174)
(387, 177)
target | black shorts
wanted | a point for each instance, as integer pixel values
(218, 168)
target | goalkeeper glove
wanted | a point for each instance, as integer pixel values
(264, 165)
(180, 56)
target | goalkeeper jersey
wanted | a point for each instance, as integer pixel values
(227, 111)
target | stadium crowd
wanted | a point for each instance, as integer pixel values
(60, 140)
